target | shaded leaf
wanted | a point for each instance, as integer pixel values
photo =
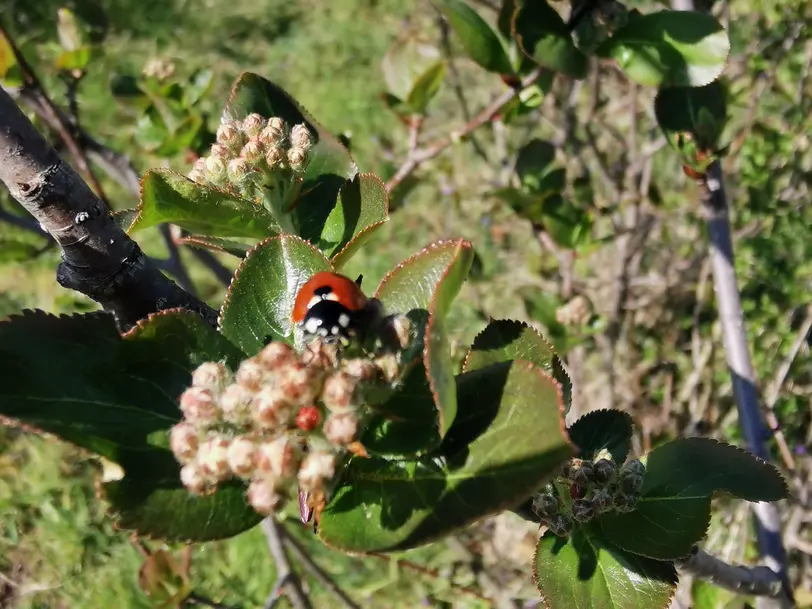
(673, 511)
(698, 113)
(506, 441)
(670, 48)
(480, 41)
(362, 207)
(533, 162)
(169, 197)
(603, 429)
(426, 87)
(543, 36)
(259, 302)
(329, 165)
(566, 224)
(581, 571)
(215, 244)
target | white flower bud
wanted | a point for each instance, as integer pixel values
(231, 136)
(235, 403)
(341, 429)
(274, 156)
(300, 137)
(339, 391)
(184, 441)
(221, 151)
(212, 376)
(360, 368)
(241, 456)
(299, 384)
(253, 151)
(215, 169)
(317, 467)
(198, 406)
(193, 478)
(264, 498)
(250, 374)
(297, 159)
(273, 134)
(213, 457)
(270, 409)
(197, 176)
(238, 170)
(252, 125)
(388, 365)
(276, 354)
(278, 458)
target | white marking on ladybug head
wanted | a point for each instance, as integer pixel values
(314, 301)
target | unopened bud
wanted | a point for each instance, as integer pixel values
(212, 376)
(604, 471)
(580, 472)
(198, 406)
(624, 502)
(634, 467)
(300, 137)
(241, 455)
(278, 458)
(250, 374)
(215, 169)
(361, 369)
(300, 384)
(545, 505)
(238, 170)
(341, 429)
(221, 151)
(582, 510)
(577, 491)
(231, 136)
(252, 125)
(253, 151)
(272, 135)
(264, 498)
(297, 159)
(193, 478)
(339, 392)
(631, 476)
(560, 525)
(274, 156)
(270, 409)
(235, 403)
(317, 468)
(184, 441)
(601, 500)
(308, 418)
(276, 354)
(197, 176)
(388, 365)
(213, 457)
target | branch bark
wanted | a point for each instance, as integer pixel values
(98, 258)
(287, 582)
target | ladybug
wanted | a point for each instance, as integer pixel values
(331, 306)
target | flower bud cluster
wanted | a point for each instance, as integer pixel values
(254, 153)
(281, 420)
(595, 487)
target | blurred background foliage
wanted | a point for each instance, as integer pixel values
(621, 284)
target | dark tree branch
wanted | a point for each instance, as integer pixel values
(98, 258)
(287, 582)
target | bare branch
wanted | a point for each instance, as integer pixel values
(98, 258)
(287, 582)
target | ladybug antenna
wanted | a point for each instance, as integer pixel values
(358, 281)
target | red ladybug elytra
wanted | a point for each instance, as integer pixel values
(330, 305)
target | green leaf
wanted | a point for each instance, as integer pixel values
(169, 197)
(504, 444)
(603, 429)
(76, 59)
(260, 300)
(124, 217)
(480, 41)
(582, 571)
(330, 163)
(566, 224)
(543, 36)
(214, 244)
(361, 209)
(680, 111)
(670, 48)
(77, 378)
(673, 511)
(542, 308)
(402, 65)
(406, 426)
(505, 340)
(426, 87)
(199, 85)
(17, 250)
(423, 287)
(533, 162)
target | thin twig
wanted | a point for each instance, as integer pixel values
(197, 599)
(737, 352)
(316, 571)
(287, 582)
(438, 146)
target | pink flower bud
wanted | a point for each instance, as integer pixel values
(184, 441)
(219, 151)
(198, 406)
(297, 159)
(238, 170)
(213, 457)
(360, 368)
(212, 376)
(270, 409)
(276, 354)
(278, 458)
(193, 478)
(235, 403)
(241, 456)
(231, 136)
(253, 151)
(317, 468)
(251, 374)
(299, 384)
(339, 391)
(264, 498)
(252, 125)
(272, 135)
(341, 429)
(274, 156)
(300, 137)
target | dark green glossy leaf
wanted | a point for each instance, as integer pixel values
(260, 299)
(533, 162)
(581, 571)
(568, 225)
(505, 443)
(670, 48)
(673, 511)
(362, 208)
(423, 287)
(505, 340)
(543, 36)
(330, 162)
(169, 197)
(215, 244)
(480, 41)
(603, 429)
(426, 87)
(696, 112)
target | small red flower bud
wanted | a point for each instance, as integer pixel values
(308, 418)
(577, 491)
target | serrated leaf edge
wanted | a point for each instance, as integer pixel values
(436, 245)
